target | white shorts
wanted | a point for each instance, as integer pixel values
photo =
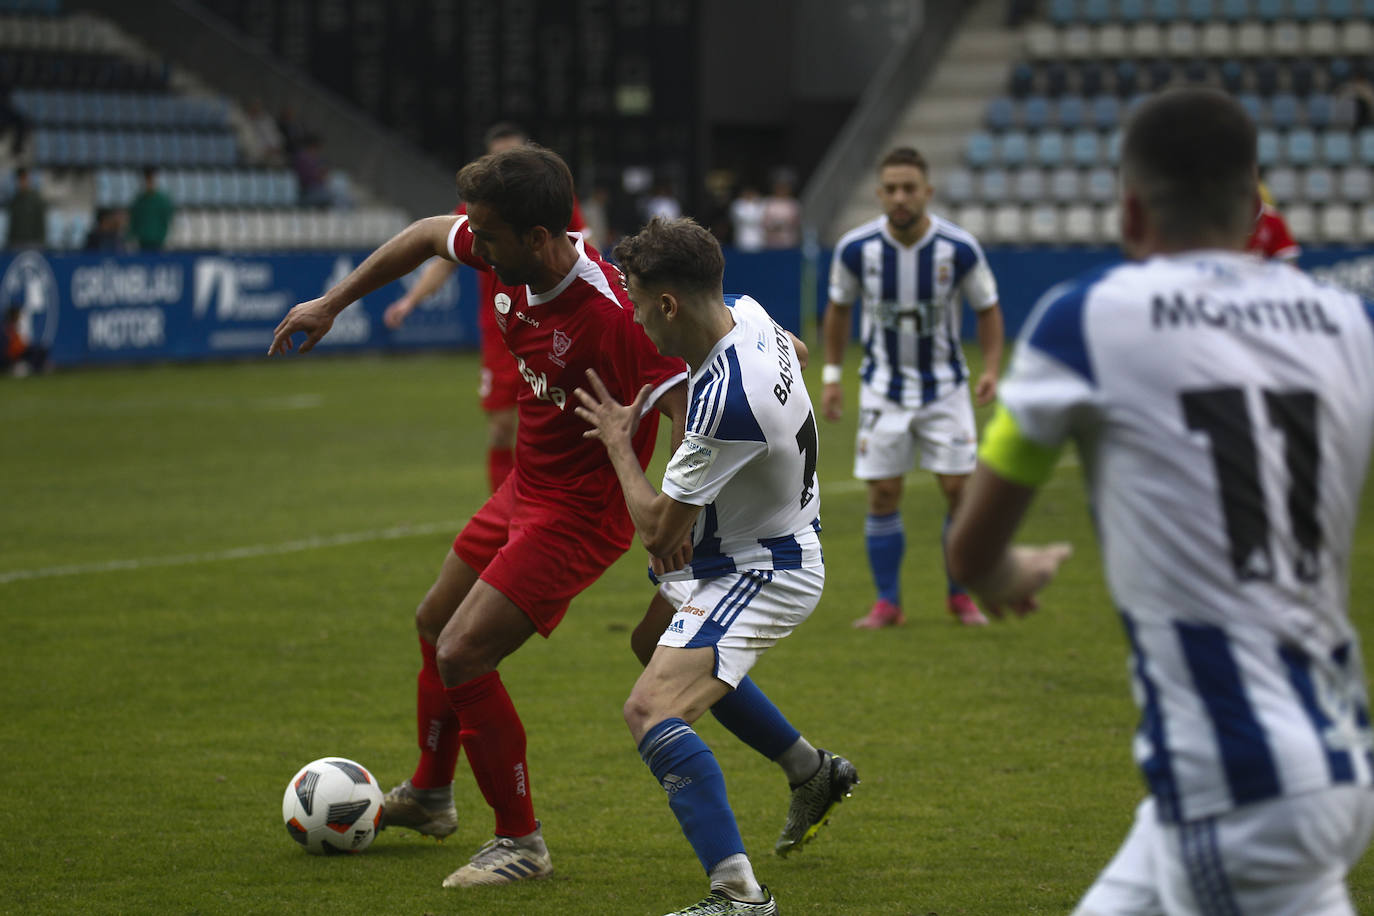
(739, 614)
(1285, 857)
(890, 436)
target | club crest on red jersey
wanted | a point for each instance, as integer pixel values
(561, 342)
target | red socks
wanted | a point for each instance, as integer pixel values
(495, 742)
(500, 462)
(439, 737)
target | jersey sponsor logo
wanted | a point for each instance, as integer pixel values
(540, 383)
(689, 464)
(502, 303)
(694, 611)
(677, 626)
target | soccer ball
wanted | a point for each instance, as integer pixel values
(332, 807)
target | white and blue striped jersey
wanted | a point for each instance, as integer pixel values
(1223, 408)
(912, 305)
(749, 454)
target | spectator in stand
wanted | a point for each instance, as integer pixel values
(20, 355)
(293, 132)
(782, 215)
(596, 217)
(717, 213)
(109, 232)
(28, 214)
(662, 203)
(1359, 88)
(1271, 237)
(263, 142)
(150, 215)
(312, 174)
(746, 213)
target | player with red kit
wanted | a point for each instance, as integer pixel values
(500, 383)
(555, 524)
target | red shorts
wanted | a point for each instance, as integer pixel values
(500, 382)
(539, 556)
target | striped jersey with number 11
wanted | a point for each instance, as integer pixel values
(1223, 407)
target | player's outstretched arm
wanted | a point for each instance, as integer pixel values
(662, 522)
(435, 274)
(834, 338)
(979, 549)
(396, 258)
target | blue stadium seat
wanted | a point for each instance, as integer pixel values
(1014, 148)
(1253, 107)
(981, 149)
(1105, 111)
(1337, 147)
(1029, 185)
(1049, 148)
(1001, 113)
(1268, 147)
(1066, 185)
(1282, 183)
(1127, 78)
(1339, 10)
(1063, 12)
(1235, 10)
(993, 185)
(1073, 111)
(1101, 185)
(1304, 10)
(1035, 112)
(1131, 11)
(1200, 10)
(1267, 76)
(1096, 12)
(1354, 184)
(1300, 146)
(1319, 110)
(1318, 185)
(1283, 110)
(1364, 142)
(1268, 10)
(1056, 79)
(1021, 81)
(957, 187)
(1232, 76)
(1164, 11)
(1085, 148)
(1091, 78)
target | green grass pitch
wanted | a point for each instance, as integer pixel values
(207, 578)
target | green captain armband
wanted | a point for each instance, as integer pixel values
(1013, 456)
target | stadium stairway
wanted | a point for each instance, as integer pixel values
(938, 120)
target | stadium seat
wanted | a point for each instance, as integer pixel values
(1318, 108)
(1035, 112)
(973, 218)
(1049, 148)
(1217, 40)
(1254, 107)
(1235, 10)
(1063, 12)
(1268, 148)
(1014, 148)
(1096, 12)
(1321, 39)
(1029, 185)
(1357, 37)
(1085, 148)
(1337, 147)
(1145, 39)
(1300, 146)
(1286, 39)
(1072, 112)
(1131, 11)
(993, 185)
(1282, 183)
(1111, 41)
(1283, 110)
(1268, 10)
(1337, 224)
(1365, 146)
(981, 149)
(1109, 223)
(1301, 219)
(1042, 41)
(1164, 10)
(1339, 10)
(1181, 39)
(1364, 228)
(1021, 81)
(1251, 39)
(1200, 10)
(1008, 223)
(1076, 41)
(1127, 78)
(1080, 224)
(1105, 111)
(1043, 224)
(957, 186)
(1303, 10)
(1001, 113)
(1100, 185)
(1318, 185)
(1066, 185)
(1354, 184)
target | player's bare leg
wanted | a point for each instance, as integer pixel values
(486, 628)
(885, 539)
(958, 601)
(424, 802)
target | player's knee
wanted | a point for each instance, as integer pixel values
(459, 661)
(639, 713)
(884, 496)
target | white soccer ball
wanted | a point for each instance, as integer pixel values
(332, 807)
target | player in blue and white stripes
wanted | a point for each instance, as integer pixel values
(740, 494)
(911, 271)
(1222, 410)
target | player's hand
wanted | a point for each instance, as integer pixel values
(311, 317)
(611, 421)
(986, 389)
(832, 401)
(676, 560)
(1030, 570)
(397, 312)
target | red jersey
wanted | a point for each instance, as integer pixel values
(586, 321)
(485, 289)
(1271, 237)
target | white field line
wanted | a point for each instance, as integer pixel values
(838, 487)
(233, 553)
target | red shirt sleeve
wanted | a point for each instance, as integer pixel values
(460, 246)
